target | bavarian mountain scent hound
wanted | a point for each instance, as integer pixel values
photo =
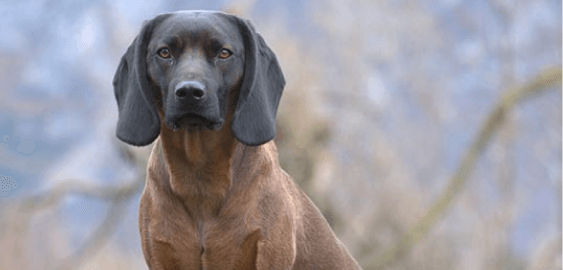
(205, 87)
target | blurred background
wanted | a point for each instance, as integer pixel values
(383, 101)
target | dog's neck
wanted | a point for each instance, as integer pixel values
(206, 166)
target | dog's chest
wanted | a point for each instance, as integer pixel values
(180, 243)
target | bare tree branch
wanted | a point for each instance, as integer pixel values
(117, 195)
(120, 196)
(546, 80)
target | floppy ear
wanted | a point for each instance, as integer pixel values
(138, 123)
(254, 121)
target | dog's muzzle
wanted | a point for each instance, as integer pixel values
(192, 108)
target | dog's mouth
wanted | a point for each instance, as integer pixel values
(193, 122)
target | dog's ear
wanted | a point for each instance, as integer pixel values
(138, 123)
(254, 121)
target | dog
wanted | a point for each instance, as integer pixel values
(205, 88)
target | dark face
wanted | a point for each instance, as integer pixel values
(198, 69)
(196, 61)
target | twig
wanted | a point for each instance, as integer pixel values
(118, 195)
(546, 80)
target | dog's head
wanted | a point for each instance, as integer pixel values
(187, 67)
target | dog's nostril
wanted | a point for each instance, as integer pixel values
(181, 93)
(198, 93)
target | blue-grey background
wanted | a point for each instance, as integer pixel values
(383, 98)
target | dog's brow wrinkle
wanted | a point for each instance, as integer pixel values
(178, 40)
(174, 40)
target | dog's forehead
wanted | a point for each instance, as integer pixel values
(197, 22)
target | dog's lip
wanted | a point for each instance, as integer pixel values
(194, 120)
(191, 118)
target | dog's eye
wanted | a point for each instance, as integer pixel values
(164, 53)
(225, 53)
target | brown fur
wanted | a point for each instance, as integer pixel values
(211, 202)
(238, 211)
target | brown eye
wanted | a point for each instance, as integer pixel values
(225, 53)
(164, 53)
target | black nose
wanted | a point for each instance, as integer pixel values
(189, 90)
